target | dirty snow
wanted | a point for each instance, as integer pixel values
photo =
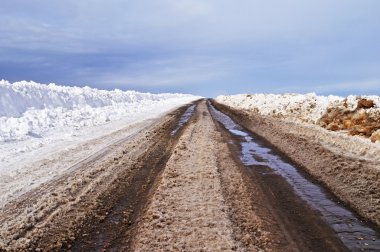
(302, 111)
(45, 129)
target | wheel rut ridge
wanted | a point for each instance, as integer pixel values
(188, 211)
(291, 224)
(118, 227)
(115, 231)
(59, 227)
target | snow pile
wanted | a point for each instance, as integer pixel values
(29, 109)
(299, 107)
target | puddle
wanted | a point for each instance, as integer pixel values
(355, 234)
(184, 119)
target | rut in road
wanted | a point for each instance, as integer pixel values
(293, 192)
(94, 206)
(122, 204)
(187, 211)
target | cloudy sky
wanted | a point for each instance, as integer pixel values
(205, 47)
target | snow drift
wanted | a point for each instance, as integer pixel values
(300, 107)
(29, 109)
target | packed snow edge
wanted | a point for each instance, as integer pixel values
(30, 109)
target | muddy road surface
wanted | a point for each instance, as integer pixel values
(195, 180)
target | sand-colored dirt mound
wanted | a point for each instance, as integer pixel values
(363, 121)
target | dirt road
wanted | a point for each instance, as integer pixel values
(170, 188)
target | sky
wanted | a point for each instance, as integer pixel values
(204, 47)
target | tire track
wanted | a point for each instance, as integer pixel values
(187, 211)
(53, 216)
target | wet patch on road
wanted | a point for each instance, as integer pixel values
(184, 119)
(256, 154)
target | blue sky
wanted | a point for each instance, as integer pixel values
(205, 47)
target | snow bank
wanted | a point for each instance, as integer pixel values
(300, 107)
(29, 109)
